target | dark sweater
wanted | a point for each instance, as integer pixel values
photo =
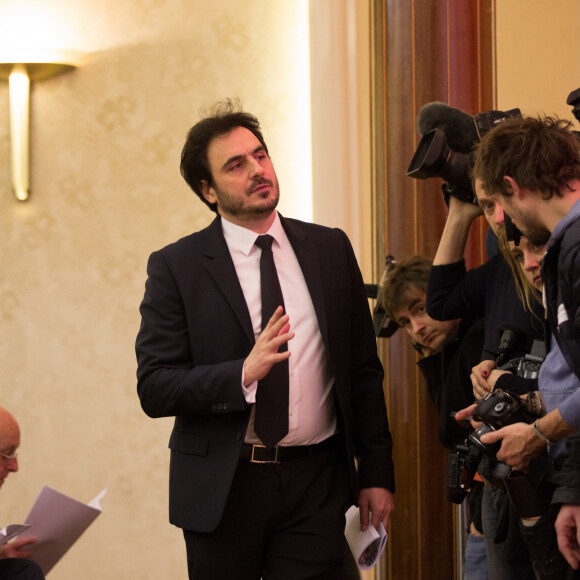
(447, 375)
(448, 379)
(487, 291)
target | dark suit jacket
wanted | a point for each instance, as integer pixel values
(195, 334)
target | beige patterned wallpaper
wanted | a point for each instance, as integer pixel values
(537, 67)
(106, 191)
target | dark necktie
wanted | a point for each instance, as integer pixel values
(271, 421)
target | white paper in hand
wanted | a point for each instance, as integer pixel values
(366, 546)
(11, 531)
(57, 521)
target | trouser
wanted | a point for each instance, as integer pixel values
(504, 562)
(20, 569)
(281, 522)
(542, 543)
(475, 565)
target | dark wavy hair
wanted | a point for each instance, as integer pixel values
(539, 153)
(223, 118)
(403, 277)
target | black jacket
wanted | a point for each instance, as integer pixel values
(486, 291)
(447, 375)
(196, 332)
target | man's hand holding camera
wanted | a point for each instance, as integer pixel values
(454, 237)
(519, 441)
(469, 211)
(519, 444)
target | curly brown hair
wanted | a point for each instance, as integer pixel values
(540, 153)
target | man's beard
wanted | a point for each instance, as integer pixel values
(235, 207)
(538, 235)
(531, 227)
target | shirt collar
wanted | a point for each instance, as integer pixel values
(571, 216)
(242, 239)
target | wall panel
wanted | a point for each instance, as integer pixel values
(423, 51)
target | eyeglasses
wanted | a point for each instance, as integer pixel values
(9, 457)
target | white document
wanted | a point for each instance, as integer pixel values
(57, 521)
(11, 531)
(366, 546)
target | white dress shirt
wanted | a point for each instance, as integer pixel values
(312, 416)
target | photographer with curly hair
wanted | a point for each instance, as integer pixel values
(532, 167)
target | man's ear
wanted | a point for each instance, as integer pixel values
(208, 192)
(511, 185)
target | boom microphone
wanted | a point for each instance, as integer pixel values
(459, 127)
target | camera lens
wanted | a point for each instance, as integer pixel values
(488, 448)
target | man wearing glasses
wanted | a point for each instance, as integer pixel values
(14, 563)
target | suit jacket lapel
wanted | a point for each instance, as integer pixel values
(220, 266)
(308, 258)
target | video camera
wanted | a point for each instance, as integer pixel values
(448, 136)
(496, 409)
(574, 101)
(447, 154)
(384, 326)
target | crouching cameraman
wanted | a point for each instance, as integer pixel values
(448, 352)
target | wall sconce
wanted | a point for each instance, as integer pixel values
(19, 69)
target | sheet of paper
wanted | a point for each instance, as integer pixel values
(57, 521)
(11, 531)
(366, 546)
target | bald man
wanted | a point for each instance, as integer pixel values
(14, 564)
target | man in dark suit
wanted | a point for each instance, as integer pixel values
(252, 506)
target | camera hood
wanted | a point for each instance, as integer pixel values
(434, 158)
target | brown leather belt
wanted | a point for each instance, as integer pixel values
(263, 454)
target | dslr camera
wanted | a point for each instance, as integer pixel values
(495, 410)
